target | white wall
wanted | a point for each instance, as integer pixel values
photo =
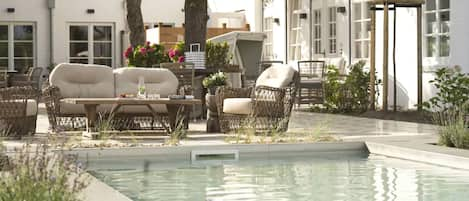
(72, 11)
(106, 11)
(459, 34)
(277, 10)
(155, 11)
(32, 12)
(251, 7)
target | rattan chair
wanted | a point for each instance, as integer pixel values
(311, 82)
(189, 83)
(32, 78)
(267, 64)
(3, 77)
(269, 107)
(185, 73)
(18, 111)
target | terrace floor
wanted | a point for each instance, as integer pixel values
(347, 128)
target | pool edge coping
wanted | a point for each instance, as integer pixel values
(394, 151)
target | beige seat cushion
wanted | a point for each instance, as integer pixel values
(31, 107)
(157, 81)
(82, 81)
(277, 76)
(237, 106)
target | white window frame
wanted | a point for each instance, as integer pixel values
(91, 42)
(268, 25)
(317, 31)
(436, 60)
(332, 36)
(294, 43)
(362, 38)
(11, 43)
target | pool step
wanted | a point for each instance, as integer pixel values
(214, 155)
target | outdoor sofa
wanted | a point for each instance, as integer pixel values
(265, 107)
(96, 81)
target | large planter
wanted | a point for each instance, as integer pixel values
(213, 125)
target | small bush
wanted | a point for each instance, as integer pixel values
(146, 55)
(453, 130)
(41, 176)
(453, 89)
(350, 93)
(450, 106)
(217, 54)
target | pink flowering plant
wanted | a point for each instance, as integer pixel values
(146, 55)
(176, 54)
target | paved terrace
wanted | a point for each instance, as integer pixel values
(345, 127)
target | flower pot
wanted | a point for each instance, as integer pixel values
(212, 90)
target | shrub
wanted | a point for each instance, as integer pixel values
(454, 130)
(176, 54)
(41, 176)
(217, 54)
(450, 106)
(146, 55)
(453, 89)
(350, 93)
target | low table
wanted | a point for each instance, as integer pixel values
(90, 105)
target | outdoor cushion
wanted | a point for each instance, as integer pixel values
(157, 81)
(277, 76)
(83, 81)
(237, 106)
(31, 107)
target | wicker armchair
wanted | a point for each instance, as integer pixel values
(32, 78)
(3, 78)
(18, 111)
(266, 108)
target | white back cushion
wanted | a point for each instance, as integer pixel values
(277, 76)
(83, 80)
(157, 81)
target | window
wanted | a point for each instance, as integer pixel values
(332, 37)
(91, 44)
(295, 30)
(437, 16)
(317, 31)
(268, 42)
(361, 29)
(17, 46)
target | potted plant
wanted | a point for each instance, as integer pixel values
(146, 55)
(217, 55)
(213, 81)
(176, 54)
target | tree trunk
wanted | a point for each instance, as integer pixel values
(135, 22)
(196, 18)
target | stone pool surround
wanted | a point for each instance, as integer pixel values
(418, 150)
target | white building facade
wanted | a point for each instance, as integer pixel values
(47, 32)
(333, 30)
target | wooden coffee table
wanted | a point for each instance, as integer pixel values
(90, 105)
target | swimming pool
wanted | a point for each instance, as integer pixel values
(289, 176)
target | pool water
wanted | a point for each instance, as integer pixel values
(287, 178)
